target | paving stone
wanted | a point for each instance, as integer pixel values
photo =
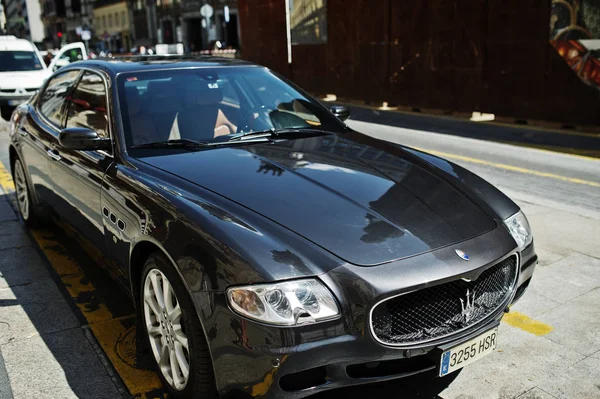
(21, 266)
(564, 232)
(576, 323)
(536, 393)
(533, 304)
(58, 365)
(32, 309)
(580, 381)
(521, 361)
(6, 212)
(567, 279)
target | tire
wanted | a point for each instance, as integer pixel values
(27, 208)
(170, 332)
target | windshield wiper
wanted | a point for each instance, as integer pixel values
(175, 143)
(276, 133)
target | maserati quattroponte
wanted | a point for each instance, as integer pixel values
(268, 247)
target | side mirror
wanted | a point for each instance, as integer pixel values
(82, 138)
(341, 111)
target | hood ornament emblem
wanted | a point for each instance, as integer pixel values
(463, 255)
(468, 308)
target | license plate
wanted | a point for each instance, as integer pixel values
(14, 103)
(468, 352)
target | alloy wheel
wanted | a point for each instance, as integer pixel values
(165, 328)
(21, 190)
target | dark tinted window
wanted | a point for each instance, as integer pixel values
(87, 105)
(203, 104)
(54, 95)
(19, 61)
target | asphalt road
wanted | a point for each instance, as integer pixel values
(549, 344)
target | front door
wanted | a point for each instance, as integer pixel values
(39, 130)
(77, 175)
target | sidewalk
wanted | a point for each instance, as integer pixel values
(45, 350)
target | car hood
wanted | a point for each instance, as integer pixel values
(22, 79)
(366, 203)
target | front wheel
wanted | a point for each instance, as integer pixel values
(174, 333)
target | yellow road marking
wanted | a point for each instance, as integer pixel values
(113, 335)
(6, 181)
(511, 168)
(526, 323)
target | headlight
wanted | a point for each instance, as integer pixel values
(285, 304)
(519, 229)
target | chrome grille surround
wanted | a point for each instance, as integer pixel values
(431, 314)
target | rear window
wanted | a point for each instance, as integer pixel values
(19, 61)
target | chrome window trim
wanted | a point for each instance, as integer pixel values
(433, 341)
(107, 87)
(41, 92)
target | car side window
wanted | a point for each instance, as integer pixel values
(87, 105)
(54, 95)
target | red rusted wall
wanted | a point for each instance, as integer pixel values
(455, 55)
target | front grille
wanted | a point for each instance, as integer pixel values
(444, 309)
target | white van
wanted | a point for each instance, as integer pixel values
(23, 71)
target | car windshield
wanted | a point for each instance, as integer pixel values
(206, 104)
(19, 61)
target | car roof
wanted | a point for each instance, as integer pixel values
(11, 43)
(115, 66)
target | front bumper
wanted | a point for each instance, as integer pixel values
(273, 362)
(14, 100)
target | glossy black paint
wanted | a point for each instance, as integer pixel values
(84, 139)
(368, 218)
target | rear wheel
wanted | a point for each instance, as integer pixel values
(27, 210)
(174, 333)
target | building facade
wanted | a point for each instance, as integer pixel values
(23, 19)
(113, 26)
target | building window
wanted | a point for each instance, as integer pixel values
(104, 22)
(123, 18)
(110, 20)
(116, 19)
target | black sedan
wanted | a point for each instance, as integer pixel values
(269, 248)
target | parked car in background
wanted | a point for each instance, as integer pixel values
(23, 69)
(269, 248)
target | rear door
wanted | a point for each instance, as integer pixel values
(39, 128)
(77, 175)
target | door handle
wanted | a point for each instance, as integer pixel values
(53, 155)
(23, 132)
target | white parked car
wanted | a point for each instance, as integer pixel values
(22, 69)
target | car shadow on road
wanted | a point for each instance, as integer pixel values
(45, 342)
(423, 386)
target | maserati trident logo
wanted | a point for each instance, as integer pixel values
(468, 307)
(462, 254)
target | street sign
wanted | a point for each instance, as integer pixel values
(86, 35)
(206, 11)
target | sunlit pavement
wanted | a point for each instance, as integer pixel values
(66, 331)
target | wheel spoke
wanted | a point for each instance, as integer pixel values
(158, 294)
(175, 371)
(167, 296)
(180, 336)
(164, 356)
(154, 331)
(154, 306)
(182, 361)
(175, 314)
